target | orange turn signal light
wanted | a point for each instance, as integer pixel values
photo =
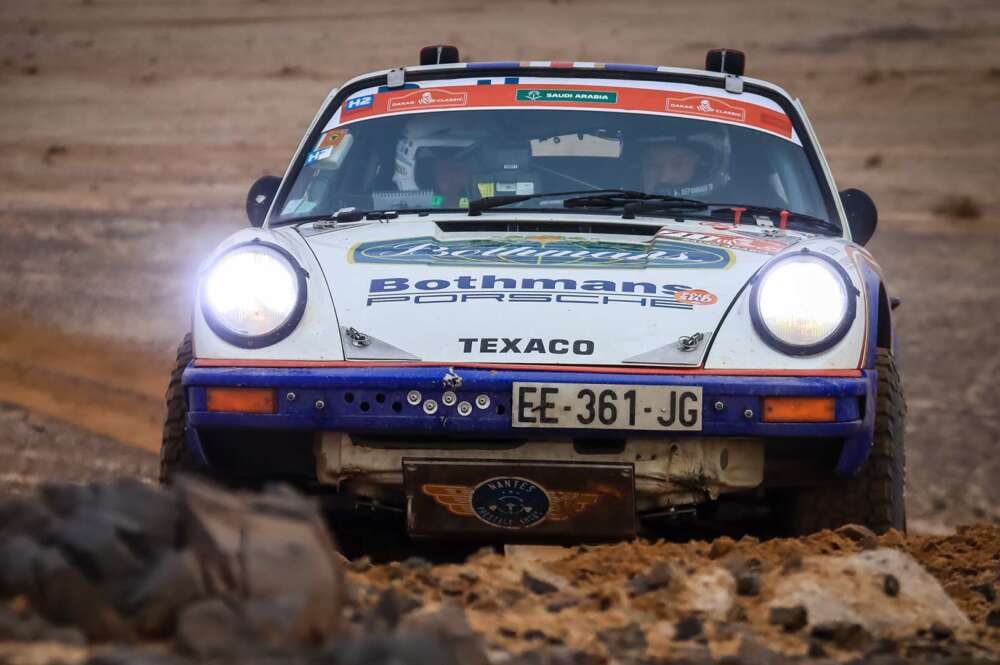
(799, 409)
(242, 400)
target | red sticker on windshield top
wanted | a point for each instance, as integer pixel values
(428, 99)
(580, 97)
(705, 106)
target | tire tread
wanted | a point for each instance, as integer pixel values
(174, 455)
(875, 497)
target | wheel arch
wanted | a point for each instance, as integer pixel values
(885, 336)
(881, 332)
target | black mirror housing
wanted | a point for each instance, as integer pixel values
(862, 215)
(259, 198)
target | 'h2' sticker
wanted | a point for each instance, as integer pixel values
(358, 103)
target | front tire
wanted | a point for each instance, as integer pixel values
(875, 497)
(174, 454)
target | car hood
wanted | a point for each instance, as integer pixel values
(447, 291)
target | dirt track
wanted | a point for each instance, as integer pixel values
(36, 449)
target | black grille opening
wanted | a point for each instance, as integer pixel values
(493, 226)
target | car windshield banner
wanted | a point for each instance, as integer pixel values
(671, 99)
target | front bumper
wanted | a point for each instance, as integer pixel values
(372, 399)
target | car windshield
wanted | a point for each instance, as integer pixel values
(442, 145)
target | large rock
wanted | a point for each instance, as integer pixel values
(125, 560)
(174, 582)
(22, 515)
(211, 629)
(449, 628)
(271, 551)
(18, 554)
(850, 591)
(146, 517)
(90, 539)
(63, 594)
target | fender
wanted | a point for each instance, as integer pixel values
(881, 330)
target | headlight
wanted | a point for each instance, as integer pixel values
(253, 295)
(803, 304)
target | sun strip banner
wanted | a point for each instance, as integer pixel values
(577, 96)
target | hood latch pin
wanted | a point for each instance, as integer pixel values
(688, 343)
(358, 338)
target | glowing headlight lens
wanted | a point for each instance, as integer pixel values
(252, 291)
(802, 301)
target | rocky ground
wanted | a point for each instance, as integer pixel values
(124, 572)
(35, 449)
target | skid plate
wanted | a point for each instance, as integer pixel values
(523, 502)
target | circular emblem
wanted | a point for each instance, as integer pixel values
(510, 502)
(696, 297)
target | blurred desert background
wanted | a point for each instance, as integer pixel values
(130, 131)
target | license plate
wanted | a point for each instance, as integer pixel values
(606, 406)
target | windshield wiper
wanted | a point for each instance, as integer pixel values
(489, 202)
(799, 218)
(632, 203)
(353, 215)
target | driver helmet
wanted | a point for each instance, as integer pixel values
(692, 164)
(423, 140)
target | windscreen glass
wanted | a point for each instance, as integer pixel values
(443, 144)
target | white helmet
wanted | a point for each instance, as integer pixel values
(430, 135)
(712, 146)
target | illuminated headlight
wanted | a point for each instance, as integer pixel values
(253, 295)
(803, 304)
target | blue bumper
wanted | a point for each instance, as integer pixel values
(374, 400)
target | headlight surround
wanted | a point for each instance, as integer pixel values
(803, 304)
(253, 295)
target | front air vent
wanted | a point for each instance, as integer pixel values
(495, 226)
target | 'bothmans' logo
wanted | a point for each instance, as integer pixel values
(541, 251)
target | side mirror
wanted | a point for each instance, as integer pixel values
(862, 216)
(260, 197)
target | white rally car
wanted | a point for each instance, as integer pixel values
(522, 301)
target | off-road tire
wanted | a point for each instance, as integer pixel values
(174, 455)
(874, 497)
